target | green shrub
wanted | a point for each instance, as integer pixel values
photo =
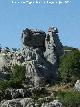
(69, 67)
(15, 84)
(69, 98)
(18, 73)
(4, 84)
(16, 78)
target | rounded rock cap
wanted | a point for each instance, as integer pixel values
(53, 29)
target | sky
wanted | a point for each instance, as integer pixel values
(16, 16)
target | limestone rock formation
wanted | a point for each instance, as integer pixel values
(39, 53)
(42, 52)
(54, 48)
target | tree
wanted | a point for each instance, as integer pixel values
(69, 66)
(69, 48)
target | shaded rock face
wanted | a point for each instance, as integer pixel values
(35, 39)
(42, 51)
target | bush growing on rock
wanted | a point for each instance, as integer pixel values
(18, 73)
(4, 84)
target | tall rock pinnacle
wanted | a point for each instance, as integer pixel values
(42, 52)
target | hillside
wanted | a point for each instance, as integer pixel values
(43, 73)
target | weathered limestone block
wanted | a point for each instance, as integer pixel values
(55, 103)
(35, 39)
(54, 48)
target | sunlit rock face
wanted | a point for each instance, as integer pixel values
(54, 47)
(77, 85)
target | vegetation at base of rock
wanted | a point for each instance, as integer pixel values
(69, 98)
(18, 73)
(16, 78)
(4, 84)
(69, 67)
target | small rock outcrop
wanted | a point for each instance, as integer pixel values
(55, 103)
(77, 85)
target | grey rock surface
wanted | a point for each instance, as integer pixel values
(41, 65)
(77, 85)
(28, 102)
(39, 54)
(55, 103)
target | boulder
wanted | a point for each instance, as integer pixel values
(55, 103)
(77, 85)
(54, 48)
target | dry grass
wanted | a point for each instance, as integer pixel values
(62, 87)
